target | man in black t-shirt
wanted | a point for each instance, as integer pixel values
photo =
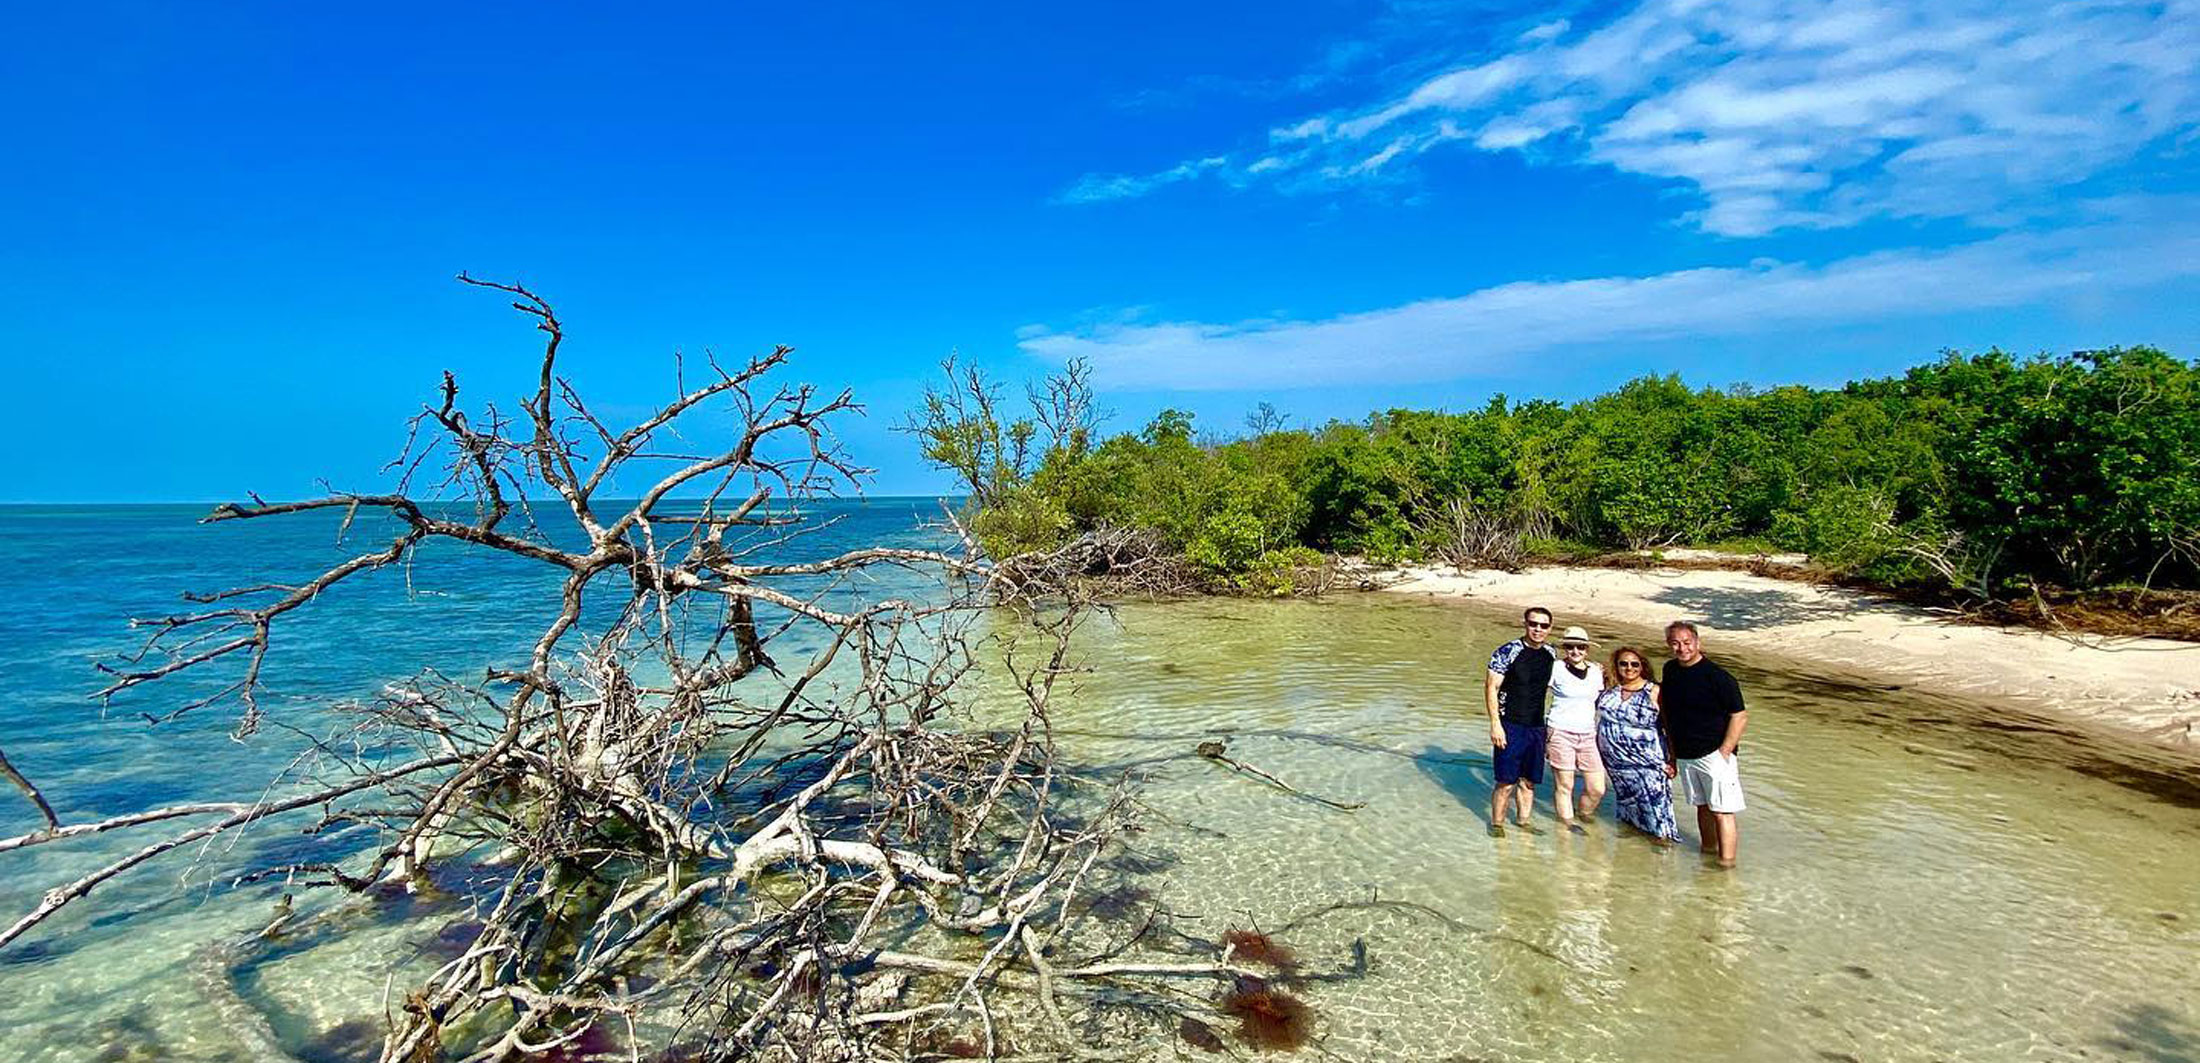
(1516, 693)
(1703, 719)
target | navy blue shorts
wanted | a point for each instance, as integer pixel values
(1522, 758)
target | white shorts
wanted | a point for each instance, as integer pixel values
(1714, 780)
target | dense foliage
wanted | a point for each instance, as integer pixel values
(1984, 472)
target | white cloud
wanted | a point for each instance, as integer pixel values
(2127, 245)
(1794, 113)
(1095, 188)
(1458, 90)
(1547, 31)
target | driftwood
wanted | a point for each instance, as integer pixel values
(695, 837)
(45, 810)
(1215, 750)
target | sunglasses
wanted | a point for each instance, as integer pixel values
(1630, 664)
(1545, 626)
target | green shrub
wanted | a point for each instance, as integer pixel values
(1975, 470)
(1844, 529)
(1021, 519)
(1282, 573)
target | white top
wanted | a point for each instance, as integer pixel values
(1574, 699)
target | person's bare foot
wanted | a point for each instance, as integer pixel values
(1497, 830)
(1528, 828)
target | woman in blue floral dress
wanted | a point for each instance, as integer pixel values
(1632, 741)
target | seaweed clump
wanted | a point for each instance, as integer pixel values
(1199, 1035)
(942, 1045)
(594, 1044)
(1252, 946)
(1117, 904)
(1268, 1017)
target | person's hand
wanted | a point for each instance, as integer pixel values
(1727, 752)
(1672, 770)
(1497, 736)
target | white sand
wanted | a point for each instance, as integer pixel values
(2146, 688)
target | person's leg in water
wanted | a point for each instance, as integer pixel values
(1559, 755)
(1707, 828)
(1526, 800)
(1593, 785)
(1505, 765)
(1729, 830)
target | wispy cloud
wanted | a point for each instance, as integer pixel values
(1098, 188)
(1780, 113)
(1398, 39)
(2126, 245)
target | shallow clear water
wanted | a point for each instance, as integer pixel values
(114, 976)
(1916, 883)
(1908, 890)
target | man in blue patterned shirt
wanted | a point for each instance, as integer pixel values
(1516, 693)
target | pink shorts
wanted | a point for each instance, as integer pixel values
(1573, 751)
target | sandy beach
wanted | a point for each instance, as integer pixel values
(2146, 689)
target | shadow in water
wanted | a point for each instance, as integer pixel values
(2156, 1034)
(1467, 777)
(350, 1041)
(126, 1038)
(34, 953)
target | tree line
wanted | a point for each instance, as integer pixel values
(1983, 473)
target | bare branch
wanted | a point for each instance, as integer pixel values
(53, 823)
(725, 773)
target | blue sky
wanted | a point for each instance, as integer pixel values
(230, 230)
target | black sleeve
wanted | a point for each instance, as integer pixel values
(1730, 693)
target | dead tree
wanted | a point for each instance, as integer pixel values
(692, 840)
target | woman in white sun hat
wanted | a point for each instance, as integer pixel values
(1571, 745)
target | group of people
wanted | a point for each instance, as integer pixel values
(1619, 728)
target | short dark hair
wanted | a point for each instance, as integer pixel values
(1683, 625)
(1534, 609)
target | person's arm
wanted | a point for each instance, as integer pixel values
(1734, 726)
(1737, 717)
(1665, 737)
(1489, 701)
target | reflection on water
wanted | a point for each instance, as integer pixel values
(1913, 886)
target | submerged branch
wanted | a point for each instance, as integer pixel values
(1215, 751)
(55, 899)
